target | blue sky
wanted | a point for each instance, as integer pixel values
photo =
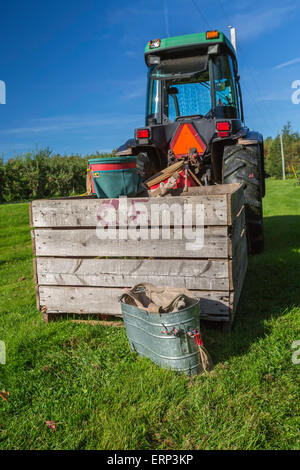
(76, 78)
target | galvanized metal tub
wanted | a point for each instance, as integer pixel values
(150, 335)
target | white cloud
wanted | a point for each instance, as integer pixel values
(73, 122)
(133, 54)
(286, 64)
(255, 23)
(137, 93)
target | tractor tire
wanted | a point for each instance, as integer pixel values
(242, 164)
(147, 164)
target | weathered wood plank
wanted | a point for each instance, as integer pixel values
(235, 201)
(215, 318)
(85, 242)
(114, 324)
(239, 261)
(209, 190)
(88, 212)
(196, 274)
(237, 231)
(54, 316)
(239, 270)
(98, 300)
(34, 259)
(35, 277)
(30, 215)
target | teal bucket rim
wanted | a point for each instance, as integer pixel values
(111, 171)
(94, 161)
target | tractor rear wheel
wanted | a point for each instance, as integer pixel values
(242, 164)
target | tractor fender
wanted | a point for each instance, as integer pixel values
(251, 138)
(127, 148)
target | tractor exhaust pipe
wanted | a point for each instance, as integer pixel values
(233, 37)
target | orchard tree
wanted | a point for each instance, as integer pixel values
(291, 144)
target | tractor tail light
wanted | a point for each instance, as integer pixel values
(223, 129)
(143, 134)
(223, 126)
(223, 134)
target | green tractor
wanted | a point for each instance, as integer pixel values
(194, 110)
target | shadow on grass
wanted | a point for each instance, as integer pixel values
(271, 287)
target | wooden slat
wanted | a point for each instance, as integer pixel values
(84, 242)
(164, 174)
(218, 189)
(100, 321)
(236, 201)
(35, 276)
(238, 230)
(85, 212)
(30, 215)
(230, 274)
(239, 269)
(239, 261)
(99, 300)
(196, 274)
(215, 318)
(123, 153)
(242, 141)
(114, 324)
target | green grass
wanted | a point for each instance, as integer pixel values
(103, 396)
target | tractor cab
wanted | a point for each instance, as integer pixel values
(193, 95)
(198, 80)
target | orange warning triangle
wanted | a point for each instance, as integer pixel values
(186, 138)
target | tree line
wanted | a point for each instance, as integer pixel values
(42, 174)
(291, 145)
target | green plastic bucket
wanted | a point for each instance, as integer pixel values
(154, 335)
(114, 177)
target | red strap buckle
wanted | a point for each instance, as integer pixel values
(198, 339)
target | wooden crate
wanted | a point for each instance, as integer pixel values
(78, 273)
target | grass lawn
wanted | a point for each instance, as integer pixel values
(103, 396)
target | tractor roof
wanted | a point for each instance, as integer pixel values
(187, 41)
